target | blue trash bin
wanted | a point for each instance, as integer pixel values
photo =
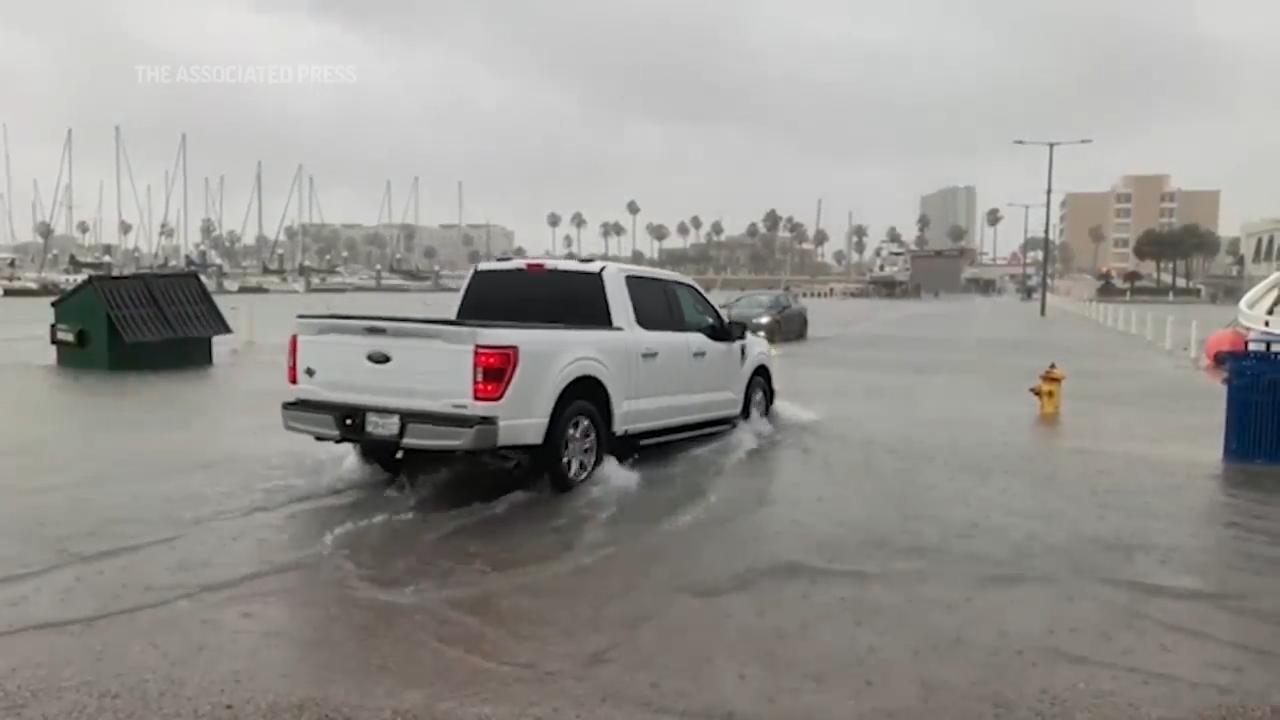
(1252, 428)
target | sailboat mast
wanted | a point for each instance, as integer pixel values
(416, 194)
(71, 223)
(119, 197)
(257, 188)
(185, 215)
(459, 213)
(97, 218)
(150, 221)
(8, 186)
(302, 243)
(221, 186)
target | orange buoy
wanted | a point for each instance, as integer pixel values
(1223, 341)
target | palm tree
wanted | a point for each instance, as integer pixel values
(820, 240)
(1097, 236)
(922, 226)
(839, 257)
(892, 236)
(956, 234)
(606, 231)
(633, 209)
(83, 228)
(648, 229)
(619, 232)
(44, 231)
(567, 242)
(660, 235)
(473, 257)
(860, 234)
(994, 217)
(578, 221)
(519, 252)
(753, 233)
(717, 231)
(553, 222)
(682, 229)
(696, 223)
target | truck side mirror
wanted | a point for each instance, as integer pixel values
(737, 330)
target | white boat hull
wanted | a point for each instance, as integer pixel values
(1257, 310)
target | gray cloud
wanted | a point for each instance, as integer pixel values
(723, 109)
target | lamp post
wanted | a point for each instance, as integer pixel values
(1048, 206)
(1026, 215)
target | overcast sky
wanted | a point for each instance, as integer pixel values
(721, 108)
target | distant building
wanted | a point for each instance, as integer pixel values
(955, 205)
(939, 271)
(1135, 204)
(1258, 246)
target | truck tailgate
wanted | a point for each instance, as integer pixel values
(410, 364)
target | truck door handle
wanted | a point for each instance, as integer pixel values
(649, 354)
(699, 353)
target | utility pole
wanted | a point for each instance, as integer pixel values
(817, 223)
(1047, 254)
(1026, 215)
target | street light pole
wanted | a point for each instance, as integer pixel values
(1047, 253)
(1026, 219)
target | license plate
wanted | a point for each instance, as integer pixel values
(382, 424)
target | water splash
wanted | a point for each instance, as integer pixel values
(614, 476)
(790, 412)
(355, 469)
(326, 543)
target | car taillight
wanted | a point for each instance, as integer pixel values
(293, 360)
(494, 368)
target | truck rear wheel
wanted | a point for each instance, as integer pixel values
(384, 455)
(758, 399)
(575, 445)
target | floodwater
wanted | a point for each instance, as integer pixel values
(902, 539)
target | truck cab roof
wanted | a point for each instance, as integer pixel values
(585, 265)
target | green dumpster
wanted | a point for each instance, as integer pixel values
(144, 321)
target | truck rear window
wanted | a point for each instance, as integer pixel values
(558, 297)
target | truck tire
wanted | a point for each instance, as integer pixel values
(384, 455)
(575, 445)
(758, 398)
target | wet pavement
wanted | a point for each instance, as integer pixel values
(903, 539)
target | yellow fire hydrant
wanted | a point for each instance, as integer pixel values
(1049, 390)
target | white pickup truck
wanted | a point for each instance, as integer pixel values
(562, 360)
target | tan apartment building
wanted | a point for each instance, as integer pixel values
(1136, 203)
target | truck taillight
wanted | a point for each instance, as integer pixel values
(494, 368)
(293, 360)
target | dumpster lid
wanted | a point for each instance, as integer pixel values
(146, 307)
